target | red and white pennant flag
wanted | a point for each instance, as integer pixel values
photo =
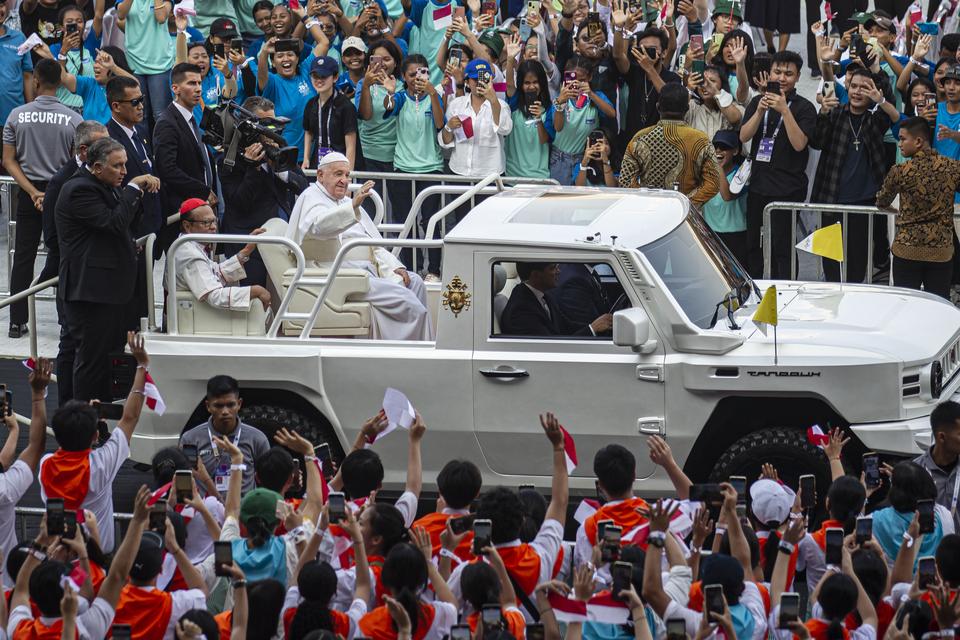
(817, 437)
(569, 450)
(153, 398)
(602, 607)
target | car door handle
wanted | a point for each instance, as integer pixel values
(505, 372)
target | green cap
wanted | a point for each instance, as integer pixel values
(492, 40)
(260, 503)
(729, 7)
(862, 17)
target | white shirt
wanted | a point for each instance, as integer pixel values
(863, 632)
(105, 462)
(199, 542)
(187, 116)
(14, 482)
(92, 624)
(208, 280)
(484, 153)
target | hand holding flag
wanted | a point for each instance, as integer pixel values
(559, 437)
(817, 437)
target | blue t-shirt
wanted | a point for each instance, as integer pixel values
(210, 88)
(947, 147)
(290, 97)
(12, 68)
(94, 96)
(346, 85)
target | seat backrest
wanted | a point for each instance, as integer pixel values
(276, 257)
(499, 300)
(320, 250)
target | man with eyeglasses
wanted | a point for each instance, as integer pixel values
(126, 102)
(208, 280)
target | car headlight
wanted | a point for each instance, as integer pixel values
(931, 380)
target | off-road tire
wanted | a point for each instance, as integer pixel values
(271, 418)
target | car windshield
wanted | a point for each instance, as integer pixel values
(698, 269)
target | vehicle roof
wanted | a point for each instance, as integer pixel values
(540, 215)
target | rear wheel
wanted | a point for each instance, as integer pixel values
(271, 418)
(786, 449)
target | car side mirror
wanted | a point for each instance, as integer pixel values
(631, 328)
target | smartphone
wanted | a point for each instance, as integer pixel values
(7, 398)
(488, 8)
(535, 631)
(56, 524)
(739, 484)
(761, 64)
(569, 76)
(287, 44)
(158, 518)
(622, 573)
(773, 86)
(455, 56)
(490, 615)
(222, 556)
(833, 553)
(109, 411)
(676, 629)
(120, 632)
(651, 52)
(423, 72)
(871, 470)
(190, 451)
(525, 30)
(482, 530)
(595, 137)
(856, 45)
(925, 509)
(713, 598)
(297, 485)
(72, 27)
(829, 88)
(789, 609)
(696, 42)
(928, 28)
(461, 524)
(926, 572)
(864, 530)
(183, 485)
(707, 492)
(808, 482)
(322, 451)
(337, 506)
(483, 77)
(461, 632)
(610, 547)
(377, 61)
(930, 99)
(699, 66)
(602, 527)
(533, 6)
(70, 524)
(220, 50)
(237, 44)
(593, 29)
(460, 12)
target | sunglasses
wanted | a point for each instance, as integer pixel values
(135, 102)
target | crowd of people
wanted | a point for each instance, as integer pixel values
(242, 537)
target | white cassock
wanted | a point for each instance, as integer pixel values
(208, 280)
(398, 312)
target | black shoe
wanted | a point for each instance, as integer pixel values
(18, 331)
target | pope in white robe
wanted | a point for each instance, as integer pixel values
(210, 281)
(398, 298)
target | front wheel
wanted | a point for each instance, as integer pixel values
(786, 449)
(271, 418)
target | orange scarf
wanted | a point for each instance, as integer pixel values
(818, 629)
(523, 563)
(147, 612)
(885, 614)
(66, 474)
(341, 622)
(696, 596)
(435, 524)
(820, 536)
(225, 623)
(624, 515)
(516, 624)
(378, 625)
(36, 630)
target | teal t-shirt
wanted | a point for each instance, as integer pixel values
(526, 155)
(150, 49)
(79, 63)
(378, 135)
(290, 97)
(94, 99)
(425, 14)
(724, 216)
(417, 150)
(578, 125)
(210, 10)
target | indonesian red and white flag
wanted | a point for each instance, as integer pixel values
(569, 450)
(588, 507)
(817, 437)
(602, 607)
(30, 363)
(153, 398)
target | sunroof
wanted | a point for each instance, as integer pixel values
(578, 210)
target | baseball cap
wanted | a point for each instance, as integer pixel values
(771, 501)
(475, 67)
(149, 558)
(324, 66)
(881, 19)
(353, 42)
(953, 72)
(492, 40)
(726, 139)
(190, 204)
(223, 28)
(260, 503)
(861, 17)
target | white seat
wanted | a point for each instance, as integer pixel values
(195, 317)
(499, 300)
(340, 315)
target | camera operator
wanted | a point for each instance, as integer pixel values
(253, 192)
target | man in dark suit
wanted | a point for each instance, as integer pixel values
(88, 132)
(579, 296)
(95, 221)
(182, 161)
(253, 192)
(531, 313)
(126, 102)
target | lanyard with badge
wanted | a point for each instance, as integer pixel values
(765, 149)
(324, 142)
(221, 476)
(956, 493)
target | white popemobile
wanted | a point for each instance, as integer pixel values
(872, 358)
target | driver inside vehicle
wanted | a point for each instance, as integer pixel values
(556, 301)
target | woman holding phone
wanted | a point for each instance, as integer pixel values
(576, 113)
(596, 169)
(378, 135)
(528, 145)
